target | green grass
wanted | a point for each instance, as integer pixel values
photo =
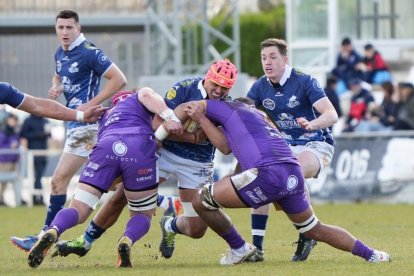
(386, 227)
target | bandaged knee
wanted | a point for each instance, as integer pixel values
(143, 204)
(86, 197)
(307, 224)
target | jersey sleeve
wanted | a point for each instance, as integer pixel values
(218, 111)
(175, 95)
(253, 94)
(314, 91)
(10, 95)
(99, 61)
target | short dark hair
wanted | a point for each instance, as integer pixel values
(408, 85)
(67, 14)
(331, 80)
(369, 46)
(346, 41)
(279, 43)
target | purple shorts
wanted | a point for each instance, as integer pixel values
(280, 183)
(130, 156)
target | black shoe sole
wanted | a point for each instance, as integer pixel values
(124, 254)
(39, 251)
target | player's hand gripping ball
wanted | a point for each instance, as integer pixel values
(191, 126)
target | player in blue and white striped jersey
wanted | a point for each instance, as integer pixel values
(300, 109)
(79, 68)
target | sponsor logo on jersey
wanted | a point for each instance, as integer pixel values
(260, 194)
(88, 174)
(74, 68)
(316, 85)
(92, 165)
(143, 171)
(58, 66)
(89, 46)
(65, 58)
(144, 178)
(252, 197)
(119, 148)
(102, 59)
(171, 94)
(68, 87)
(293, 102)
(292, 182)
(269, 104)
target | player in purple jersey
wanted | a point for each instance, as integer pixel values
(12, 96)
(79, 68)
(302, 112)
(188, 156)
(269, 173)
(126, 148)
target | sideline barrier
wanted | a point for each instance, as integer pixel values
(369, 166)
(375, 166)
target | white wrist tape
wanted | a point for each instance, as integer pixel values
(80, 116)
(161, 133)
(168, 114)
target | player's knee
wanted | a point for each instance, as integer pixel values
(86, 197)
(143, 205)
(197, 231)
(207, 199)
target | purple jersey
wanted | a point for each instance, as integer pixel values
(128, 116)
(125, 147)
(269, 171)
(247, 128)
(10, 95)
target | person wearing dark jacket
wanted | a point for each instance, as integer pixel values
(35, 131)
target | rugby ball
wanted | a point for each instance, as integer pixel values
(191, 126)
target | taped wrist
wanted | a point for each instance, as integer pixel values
(168, 114)
(161, 133)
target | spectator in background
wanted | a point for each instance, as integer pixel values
(9, 139)
(348, 65)
(330, 91)
(405, 118)
(382, 117)
(375, 69)
(361, 102)
(35, 132)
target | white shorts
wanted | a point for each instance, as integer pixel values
(323, 151)
(190, 174)
(80, 140)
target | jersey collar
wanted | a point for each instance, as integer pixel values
(202, 90)
(286, 74)
(81, 38)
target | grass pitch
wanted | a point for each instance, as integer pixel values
(386, 227)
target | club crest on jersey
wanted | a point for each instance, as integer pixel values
(293, 102)
(119, 148)
(292, 182)
(171, 94)
(316, 85)
(102, 59)
(74, 68)
(269, 104)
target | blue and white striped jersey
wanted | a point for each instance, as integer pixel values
(292, 98)
(80, 70)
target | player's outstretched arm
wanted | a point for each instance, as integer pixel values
(54, 110)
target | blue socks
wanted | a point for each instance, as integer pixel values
(57, 202)
(258, 229)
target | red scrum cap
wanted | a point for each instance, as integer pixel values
(223, 73)
(120, 95)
